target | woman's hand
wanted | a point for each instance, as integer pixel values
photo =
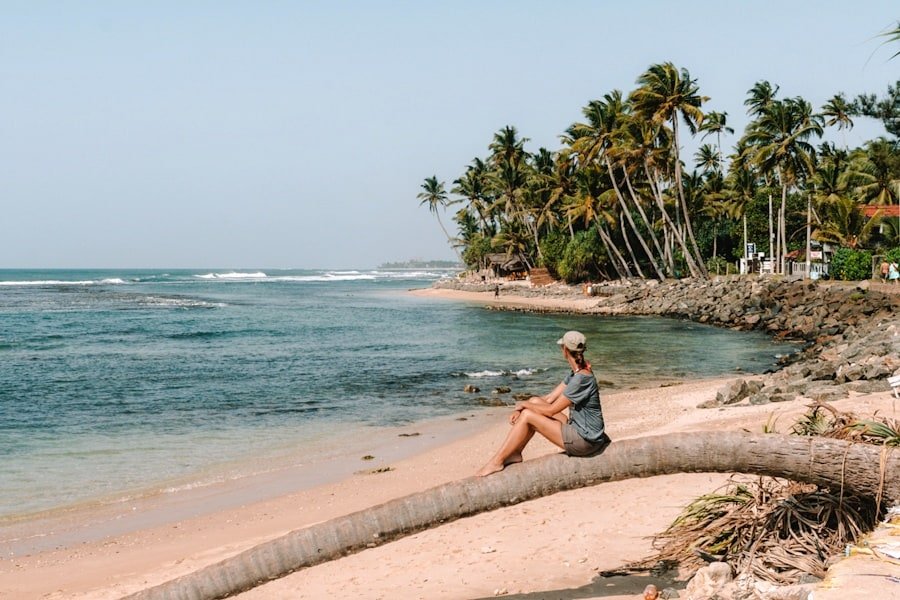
(517, 410)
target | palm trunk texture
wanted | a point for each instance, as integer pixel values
(858, 468)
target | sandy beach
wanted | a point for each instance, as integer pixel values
(553, 547)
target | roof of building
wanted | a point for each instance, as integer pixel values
(892, 210)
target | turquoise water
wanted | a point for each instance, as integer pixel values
(118, 382)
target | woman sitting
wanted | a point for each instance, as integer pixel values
(580, 434)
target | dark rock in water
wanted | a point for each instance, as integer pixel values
(501, 390)
(490, 401)
(471, 389)
(605, 383)
(522, 397)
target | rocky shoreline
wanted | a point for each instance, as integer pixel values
(850, 332)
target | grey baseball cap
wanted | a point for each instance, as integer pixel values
(573, 340)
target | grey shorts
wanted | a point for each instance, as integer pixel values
(578, 446)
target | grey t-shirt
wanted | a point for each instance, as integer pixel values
(585, 413)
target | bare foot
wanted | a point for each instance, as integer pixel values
(488, 469)
(513, 459)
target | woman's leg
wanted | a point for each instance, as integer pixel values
(521, 433)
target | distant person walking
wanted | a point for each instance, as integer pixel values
(496, 291)
(893, 272)
(885, 268)
(580, 434)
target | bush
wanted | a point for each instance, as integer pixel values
(893, 255)
(717, 265)
(851, 265)
(553, 247)
(476, 251)
(582, 258)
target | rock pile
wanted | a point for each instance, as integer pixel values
(851, 333)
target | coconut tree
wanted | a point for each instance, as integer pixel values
(434, 195)
(586, 204)
(843, 223)
(861, 469)
(837, 112)
(471, 186)
(892, 36)
(716, 123)
(759, 97)
(740, 189)
(780, 136)
(664, 95)
(593, 140)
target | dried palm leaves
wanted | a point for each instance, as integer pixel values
(775, 530)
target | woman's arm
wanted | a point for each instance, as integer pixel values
(549, 405)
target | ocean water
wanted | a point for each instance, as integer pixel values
(122, 383)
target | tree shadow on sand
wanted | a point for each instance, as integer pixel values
(599, 587)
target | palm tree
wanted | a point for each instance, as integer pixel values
(780, 137)
(843, 223)
(892, 35)
(759, 97)
(837, 112)
(740, 189)
(717, 123)
(862, 469)
(594, 140)
(434, 196)
(665, 94)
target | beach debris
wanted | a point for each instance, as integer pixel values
(462, 418)
(414, 434)
(502, 389)
(487, 550)
(522, 397)
(368, 457)
(501, 592)
(775, 531)
(376, 471)
(471, 389)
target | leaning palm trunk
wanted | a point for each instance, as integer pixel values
(625, 271)
(637, 232)
(688, 257)
(684, 207)
(862, 469)
(634, 260)
(637, 203)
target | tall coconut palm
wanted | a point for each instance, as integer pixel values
(594, 140)
(434, 195)
(472, 186)
(861, 469)
(759, 97)
(716, 123)
(780, 136)
(665, 95)
(837, 112)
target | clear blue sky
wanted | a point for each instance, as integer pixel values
(297, 134)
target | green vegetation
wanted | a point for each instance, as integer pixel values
(618, 199)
